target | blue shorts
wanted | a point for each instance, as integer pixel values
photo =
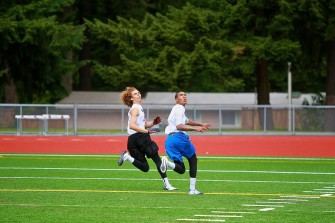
(177, 145)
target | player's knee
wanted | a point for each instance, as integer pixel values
(180, 167)
(182, 171)
(145, 168)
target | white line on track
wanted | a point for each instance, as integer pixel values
(262, 205)
(210, 171)
(218, 216)
(150, 179)
(265, 172)
(295, 200)
(274, 202)
(319, 192)
(266, 209)
(233, 212)
(325, 189)
(116, 206)
(302, 197)
(326, 195)
(195, 219)
(202, 157)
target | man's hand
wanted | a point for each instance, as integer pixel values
(153, 130)
(157, 120)
(200, 128)
(207, 125)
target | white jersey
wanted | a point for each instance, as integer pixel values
(177, 116)
(140, 119)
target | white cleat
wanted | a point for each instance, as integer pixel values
(170, 188)
(164, 164)
(122, 158)
(195, 192)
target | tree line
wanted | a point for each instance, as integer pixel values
(49, 48)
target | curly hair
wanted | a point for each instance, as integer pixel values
(125, 96)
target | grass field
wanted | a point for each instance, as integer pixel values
(92, 188)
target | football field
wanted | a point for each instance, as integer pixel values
(93, 188)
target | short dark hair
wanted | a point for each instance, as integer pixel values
(177, 92)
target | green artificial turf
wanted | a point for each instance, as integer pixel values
(93, 188)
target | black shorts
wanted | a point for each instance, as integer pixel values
(140, 145)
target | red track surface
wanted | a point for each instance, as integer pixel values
(288, 146)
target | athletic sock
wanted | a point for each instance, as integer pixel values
(192, 183)
(128, 157)
(166, 182)
(171, 165)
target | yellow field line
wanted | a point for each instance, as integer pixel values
(154, 192)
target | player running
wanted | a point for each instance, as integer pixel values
(139, 144)
(178, 143)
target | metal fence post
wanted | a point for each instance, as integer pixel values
(75, 119)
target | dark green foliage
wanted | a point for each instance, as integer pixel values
(34, 49)
(197, 45)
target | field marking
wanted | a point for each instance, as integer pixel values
(134, 169)
(156, 179)
(266, 172)
(97, 206)
(266, 209)
(147, 192)
(274, 202)
(326, 195)
(233, 212)
(325, 189)
(279, 199)
(218, 216)
(318, 192)
(196, 219)
(202, 157)
(302, 196)
(262, 205)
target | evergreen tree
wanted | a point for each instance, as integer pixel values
(34, 48)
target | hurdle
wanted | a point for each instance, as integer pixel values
(43, 122)
(47, 117)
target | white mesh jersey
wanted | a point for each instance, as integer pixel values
(177, 116)
(140, 119)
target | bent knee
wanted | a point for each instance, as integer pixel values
(182, 171)
(146, 169)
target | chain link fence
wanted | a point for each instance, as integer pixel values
(95, 119)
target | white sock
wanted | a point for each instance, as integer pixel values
(128, 157)
(192, 183)
(166, 182)
(171, 165)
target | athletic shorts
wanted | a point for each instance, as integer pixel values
(179, 145)
(137, 144)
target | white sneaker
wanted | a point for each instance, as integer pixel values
(170, 188)
(195, 192)
(122, 158)
(164, 164)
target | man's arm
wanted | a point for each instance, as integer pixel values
(194, 126)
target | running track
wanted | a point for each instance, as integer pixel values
(285, 146)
